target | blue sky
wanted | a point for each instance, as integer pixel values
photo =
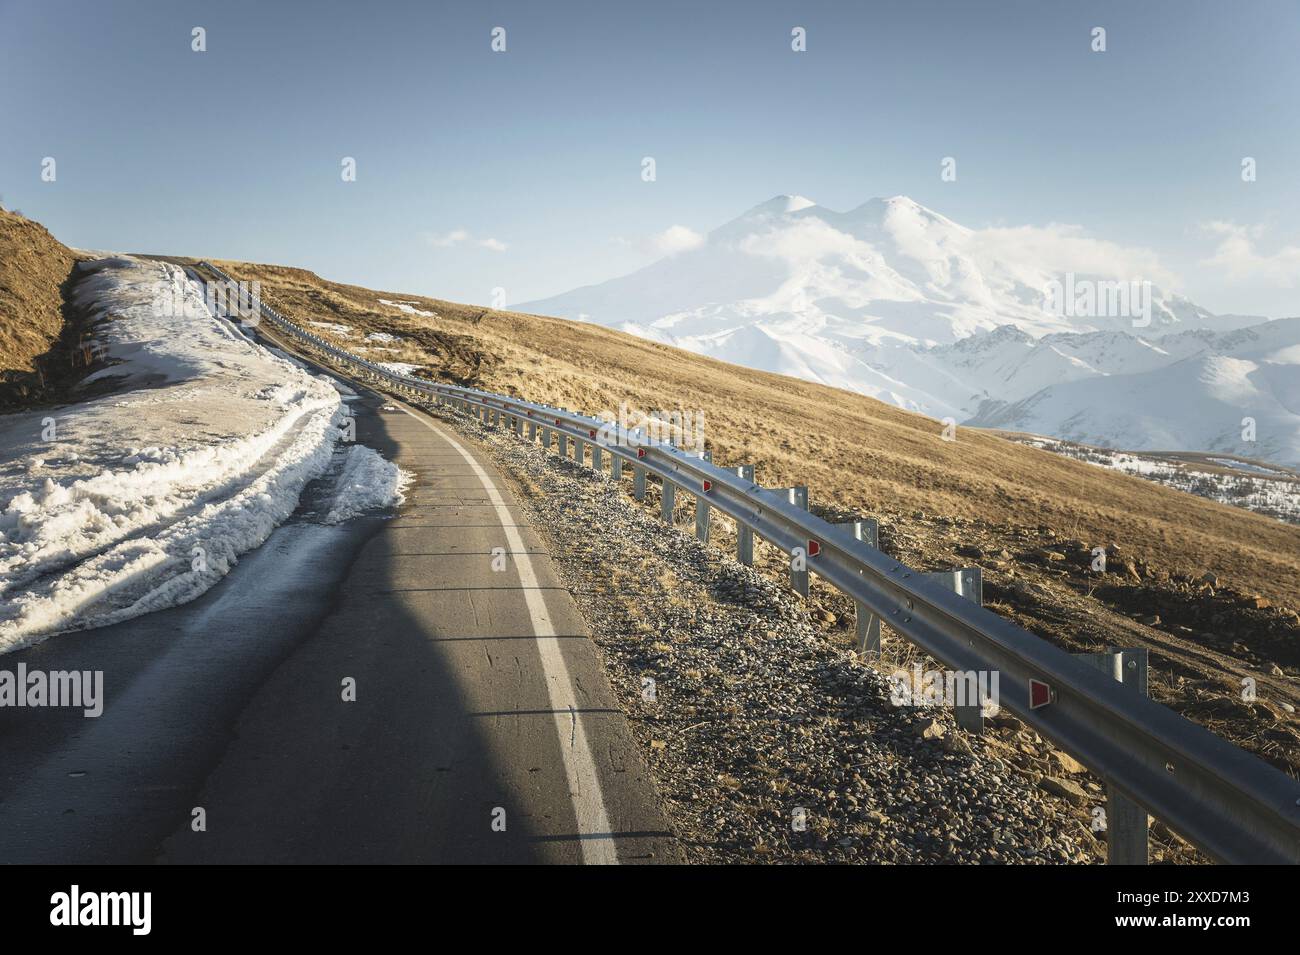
(236, 152)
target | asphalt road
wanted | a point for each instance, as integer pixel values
(419, 689)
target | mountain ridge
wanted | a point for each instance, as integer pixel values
(894, 300)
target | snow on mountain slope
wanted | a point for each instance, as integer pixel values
(1199, 403)
(145, 497)
(1008, 364)
(889, 268)
(898, 302)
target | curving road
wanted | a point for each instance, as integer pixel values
(481, 727)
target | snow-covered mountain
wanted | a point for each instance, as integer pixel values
(1235, 392)
(1018, 328)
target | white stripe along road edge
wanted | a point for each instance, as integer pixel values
(594, 832)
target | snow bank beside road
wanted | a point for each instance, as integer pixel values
(366, 482)
(145, 498)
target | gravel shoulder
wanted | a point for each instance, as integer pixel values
(769, 740)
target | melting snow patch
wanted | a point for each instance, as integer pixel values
(332, 327)
(407, 307)
(366, 483)
(1277, 498)
(145, 498)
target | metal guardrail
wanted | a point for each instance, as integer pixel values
(1224, 800)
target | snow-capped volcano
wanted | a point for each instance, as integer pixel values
(895, 300)
(890, 269)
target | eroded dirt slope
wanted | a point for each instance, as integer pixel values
(36, 356)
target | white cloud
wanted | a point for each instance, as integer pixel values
(451, 238)
(1058, 248)
(952, 255)
(458, 236)
(1239, 258)
(674, 239)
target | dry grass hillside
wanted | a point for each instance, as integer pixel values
(35, 354)
(1210, 590)
(852, 451)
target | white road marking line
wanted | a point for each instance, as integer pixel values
(579, 767)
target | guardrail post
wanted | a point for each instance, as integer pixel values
(532, 431)
(798, 496)
(866, 530)
(744, 533)
(579, 451)
(519, 426)
(615, 466)
(966, 582)
(667, 501)
(702, 508)
(546, 437)
(638, 472)
(563, 443)
(1127, 833)
(597, 463)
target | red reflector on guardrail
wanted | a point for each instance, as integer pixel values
(592, 433)
(640, 452)
(708, 485)
(557, 420)
(814, 548)
(1040, 694)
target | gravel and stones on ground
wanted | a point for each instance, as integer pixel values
(768, 741)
